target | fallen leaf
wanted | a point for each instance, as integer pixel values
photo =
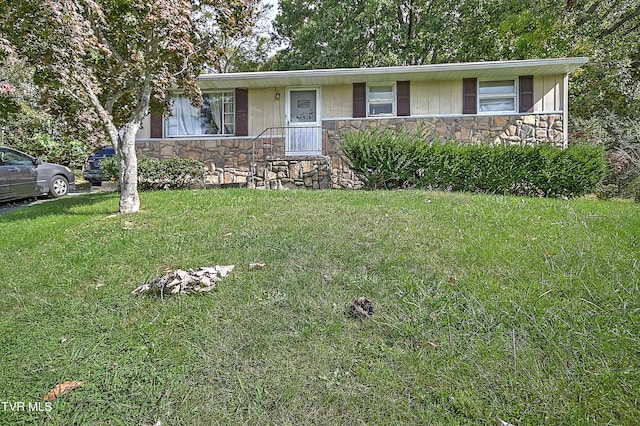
(62, 389)
(433, 345)
(223, 271)
(452, 280)
(501, 422)
(257, 265)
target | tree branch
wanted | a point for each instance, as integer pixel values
(113, 98)
(144, 99)
(631, 14)
(589, 12)
(184, 65)
(100, 35)
(104, 115)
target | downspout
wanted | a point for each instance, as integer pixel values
(565, 112)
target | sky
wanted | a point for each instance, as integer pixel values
(274, 9)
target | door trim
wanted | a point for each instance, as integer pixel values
(291, 126)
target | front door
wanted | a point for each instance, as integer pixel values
(303, 122)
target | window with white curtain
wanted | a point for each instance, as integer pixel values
(216, 116)
(497, 96)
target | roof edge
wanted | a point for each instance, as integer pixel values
(487, 69)
(572, 62)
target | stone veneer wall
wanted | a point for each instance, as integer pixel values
(238, 161)
(525, 129)
(230, 161)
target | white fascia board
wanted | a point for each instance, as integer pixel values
(456, 71)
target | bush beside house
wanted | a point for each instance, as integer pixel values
(173, 173)
(399, 159)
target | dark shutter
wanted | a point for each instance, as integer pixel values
(359, 100)
(526, 93)
(404, 98)
(242, 112)
(155, 130)
(469, 96)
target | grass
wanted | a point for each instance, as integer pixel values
(485, 306)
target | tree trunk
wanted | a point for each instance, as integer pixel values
(126, 150)
(125, 145)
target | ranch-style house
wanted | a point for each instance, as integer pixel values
(282, 129)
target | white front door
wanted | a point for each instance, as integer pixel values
(303, 122)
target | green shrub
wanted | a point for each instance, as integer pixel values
(634, 189)
(174, 173)
(68, 152)
(385, 158)
(606, 191)
(620, 137)
(110, 169)
(399, 159)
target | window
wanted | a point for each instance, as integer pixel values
(216, 116)
(381, 100)
(12, 158)
(497, 96)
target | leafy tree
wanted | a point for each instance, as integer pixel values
(247, 52)
(106, 60)
(26, 125)
(331, 33)
(7, 89)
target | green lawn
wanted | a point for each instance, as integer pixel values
(485, 306)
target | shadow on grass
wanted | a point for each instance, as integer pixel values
(68, 205)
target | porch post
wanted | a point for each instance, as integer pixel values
(565, 111)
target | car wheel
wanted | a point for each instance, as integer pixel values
(58, 186)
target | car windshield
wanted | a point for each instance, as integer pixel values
(104, 152)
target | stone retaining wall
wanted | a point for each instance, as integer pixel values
(214, 153)
(526, 129)
(229, 162)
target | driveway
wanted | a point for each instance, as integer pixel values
(10, 206)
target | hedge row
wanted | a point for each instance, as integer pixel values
(173, 173)
(398, 159)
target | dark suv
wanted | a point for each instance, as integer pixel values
(92, 170)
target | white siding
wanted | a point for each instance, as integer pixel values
(337, 101)
(436, 97)
(548, 93)
(265, 110)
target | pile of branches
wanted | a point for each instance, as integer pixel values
(187, 282)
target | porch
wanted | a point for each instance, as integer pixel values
(296, 157)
